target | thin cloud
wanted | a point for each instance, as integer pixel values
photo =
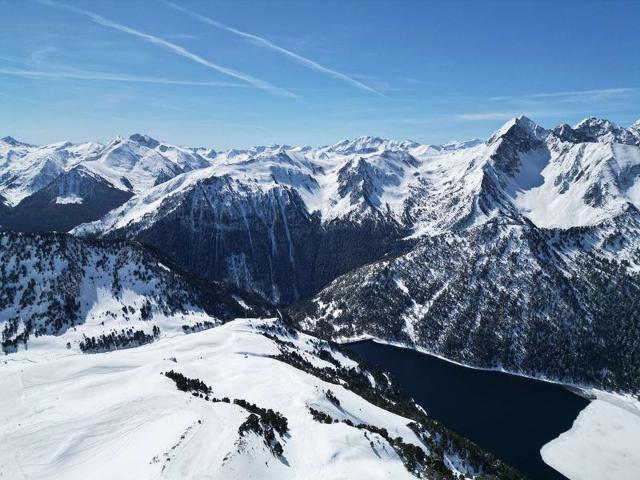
(37, 56)
(17, 61)
(263, 42)
(578, 94)
(113, 78)
(172, 47)
(551, 114)
(485, 116)
(21, 99)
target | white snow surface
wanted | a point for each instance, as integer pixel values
(25, 169)
(65, 415)
(69, 199)
(603, 444)
(140, 162)
(132, 164)
(558, 186)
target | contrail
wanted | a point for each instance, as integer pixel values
(263, 42)
(76, 75)
(172, 47)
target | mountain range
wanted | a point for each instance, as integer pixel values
(109, 342)
(519, 253)
(479, 251)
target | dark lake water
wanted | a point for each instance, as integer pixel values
(510, 416)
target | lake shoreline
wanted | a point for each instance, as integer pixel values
(511, 415)
(585, 391)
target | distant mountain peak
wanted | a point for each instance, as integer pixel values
(458, 144)
(595, 122)
(361, 144)
(144, 140)
(369, 144)
(13, 142)
(9, 140)
(593, 129)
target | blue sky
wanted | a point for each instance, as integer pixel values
(241, 73)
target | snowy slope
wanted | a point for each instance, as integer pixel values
(25, 169)
(88, 327)
(127, 166)
(139, 162)
(575, 184)
(115, 415)
(58, 285)
(75, 196)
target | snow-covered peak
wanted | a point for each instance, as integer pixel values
(134, 163)
(519, 126)
(241, 154)
(595, 123)
(144, 140)
(25, 169)
(366, 144)
(457, 144)
(8, 140)
(206, 152)
(597, 130)
(139, 162)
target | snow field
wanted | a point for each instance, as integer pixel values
(68, 415)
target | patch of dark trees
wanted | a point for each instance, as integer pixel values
(118, 340)
(11, 339)
(198, 327)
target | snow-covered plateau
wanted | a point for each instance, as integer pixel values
(67, 415)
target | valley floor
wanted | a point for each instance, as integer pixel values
(603, 444)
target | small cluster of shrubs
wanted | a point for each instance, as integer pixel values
(115, 341)
(187, 384)
(321, 417)
(332, 398)
(198, 327)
